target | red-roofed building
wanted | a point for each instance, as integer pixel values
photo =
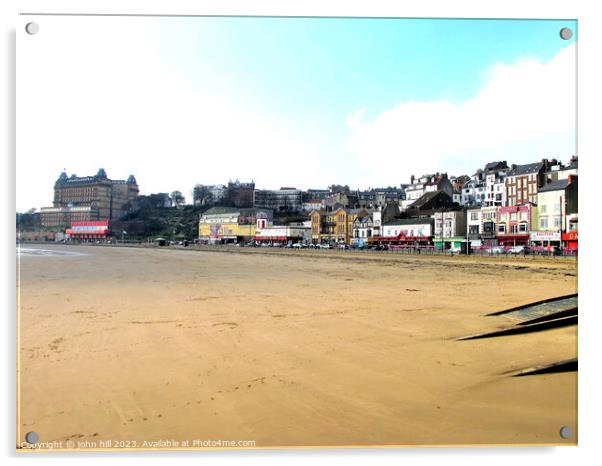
(93, 230)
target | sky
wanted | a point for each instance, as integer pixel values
(304, 102)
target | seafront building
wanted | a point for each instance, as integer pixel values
(334, 226)
(505, 205)
(450, 229)
(557, 209)
(220, 225)
(488, 230)
(514, 224)
(88, 198)
(474, 226)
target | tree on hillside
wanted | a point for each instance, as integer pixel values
(201, 195)
(178, 199)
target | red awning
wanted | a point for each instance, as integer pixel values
(271, 238)
(512, 237)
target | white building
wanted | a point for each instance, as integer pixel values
(283, 234)
(473, 192)
(218, 192)
(363, 228)
(473, 224)
(408, 227)
(486, 187)
(312, 204)
(488, 230)
(449, 226)
(495, 189)
(425, 184)
(557, 206)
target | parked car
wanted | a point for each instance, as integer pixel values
(496, 250)
(455, 250)
(517, 250)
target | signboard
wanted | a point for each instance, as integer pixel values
(417, 230)
(570, 236)
(544, 236)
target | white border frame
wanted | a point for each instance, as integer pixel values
(589, 105)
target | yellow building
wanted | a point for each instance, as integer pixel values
(334, 226)
(231, 225)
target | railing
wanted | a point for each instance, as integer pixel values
(396, 249)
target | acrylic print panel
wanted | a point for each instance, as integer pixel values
(248, 232)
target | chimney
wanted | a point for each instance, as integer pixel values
(412, 179)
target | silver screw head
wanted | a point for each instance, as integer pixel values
(32, 28)
(32, 437)
(566, 33)
(566, 432)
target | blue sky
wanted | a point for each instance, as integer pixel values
(328, 66)
(302, 102)
(311, 72)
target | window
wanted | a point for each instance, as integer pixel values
(543, 209)
(513, 216)
(557, 222)
(501, 228)
(556, 208)
(522, 228)
(513, 228)
(523, 215)
(543, 223)
(474, 215)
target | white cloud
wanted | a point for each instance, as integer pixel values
(525, 111)
(93, 97)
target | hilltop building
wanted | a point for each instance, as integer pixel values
(88, 198)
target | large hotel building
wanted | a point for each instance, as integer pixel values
(88, 198)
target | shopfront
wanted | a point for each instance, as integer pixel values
(545, 238)
(513, 240)
(89, 231)
(570, 240)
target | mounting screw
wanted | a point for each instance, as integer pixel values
(566, 33)
(566, 432)
(32, 437)
(32, 28)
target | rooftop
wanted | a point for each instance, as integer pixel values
(555, 186)
(527, 169)
(410, 221)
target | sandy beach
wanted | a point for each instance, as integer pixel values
(294, 348)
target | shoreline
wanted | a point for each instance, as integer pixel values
(359, 255)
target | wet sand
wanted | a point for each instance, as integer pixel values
(296, 348)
